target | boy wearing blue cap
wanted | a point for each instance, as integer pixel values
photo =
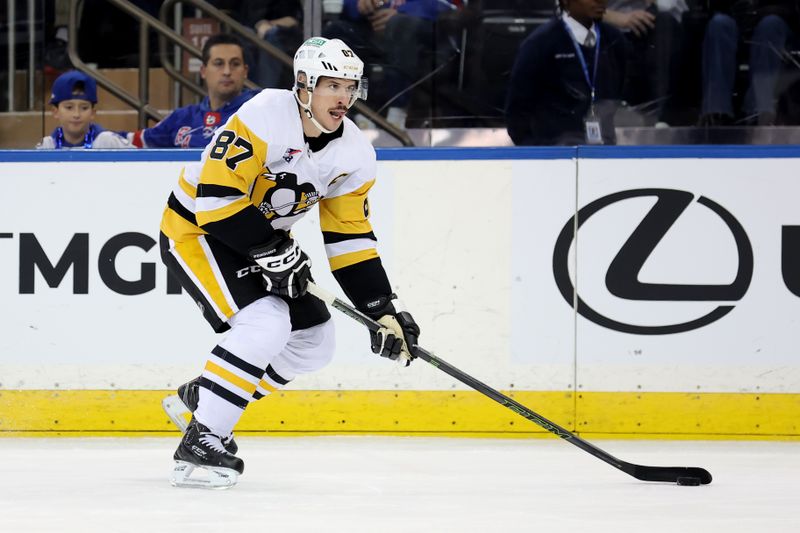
(73, 99)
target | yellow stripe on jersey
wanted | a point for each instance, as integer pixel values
(345, 260)
(178, 228)
(230, 377)
(348, 213)
(266, 386)
(206, 217)
(193, 255)
(187, 187)
(231, 150)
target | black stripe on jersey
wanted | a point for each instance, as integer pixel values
(364, 282)
(242, 230)
(331, 237)
(241, 364)
(205, 190)
(274, 376)
(223, 393)
(257, 395)
(176, 206)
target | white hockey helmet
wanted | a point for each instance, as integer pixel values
(318, 57)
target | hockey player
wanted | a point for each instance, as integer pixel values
(225, 236)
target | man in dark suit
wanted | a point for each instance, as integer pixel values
(567, 79)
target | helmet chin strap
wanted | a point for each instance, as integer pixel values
(307, 110)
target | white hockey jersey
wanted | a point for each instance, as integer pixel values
(259, 168)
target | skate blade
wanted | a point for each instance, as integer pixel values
(217, 478)
(177, 411)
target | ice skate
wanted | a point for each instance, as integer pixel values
(179, 408)
(202, 450)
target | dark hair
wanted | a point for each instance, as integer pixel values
(220, 38)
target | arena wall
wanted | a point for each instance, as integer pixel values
(620, 292)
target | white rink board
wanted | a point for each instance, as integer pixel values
(754, 347)
(428, 223)
(477, 275)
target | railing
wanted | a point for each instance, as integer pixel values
(141, 104)
(12, 52)
(147, 22)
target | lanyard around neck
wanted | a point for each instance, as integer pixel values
(579, 52)
(88, 139)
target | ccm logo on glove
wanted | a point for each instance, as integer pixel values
(286, 268)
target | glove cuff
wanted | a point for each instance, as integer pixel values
(383, 305)
(270, 247)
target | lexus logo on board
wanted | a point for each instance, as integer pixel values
(623, 273)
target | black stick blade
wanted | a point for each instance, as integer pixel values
(669, 474)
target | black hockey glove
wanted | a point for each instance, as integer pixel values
(285, 267)
(399, 332)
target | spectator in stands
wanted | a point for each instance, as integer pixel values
(192, 126)
(278, 22)
(567, 78)
(652, 28)
(396, 34)
(73, 98)
(766, 26)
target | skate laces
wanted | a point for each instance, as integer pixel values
(212, 441)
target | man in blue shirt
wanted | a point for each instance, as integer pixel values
(192, 126)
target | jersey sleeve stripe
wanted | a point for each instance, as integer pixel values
(347, 247)
(213, 203)
(189, 189)
(352, 227)
(205, 190)
(184, 199)
(331, 237)
(341, 261)
(228, 210)
(176, 205)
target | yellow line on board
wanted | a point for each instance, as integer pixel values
(620, 415)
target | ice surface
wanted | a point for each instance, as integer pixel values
(388, 484)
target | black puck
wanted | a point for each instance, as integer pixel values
(689, 481)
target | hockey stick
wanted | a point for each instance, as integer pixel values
(682, 475)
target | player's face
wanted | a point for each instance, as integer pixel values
(331, 99)
(225, 72)
(586, 9)
(74, 117)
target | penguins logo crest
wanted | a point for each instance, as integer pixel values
(279, 195)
